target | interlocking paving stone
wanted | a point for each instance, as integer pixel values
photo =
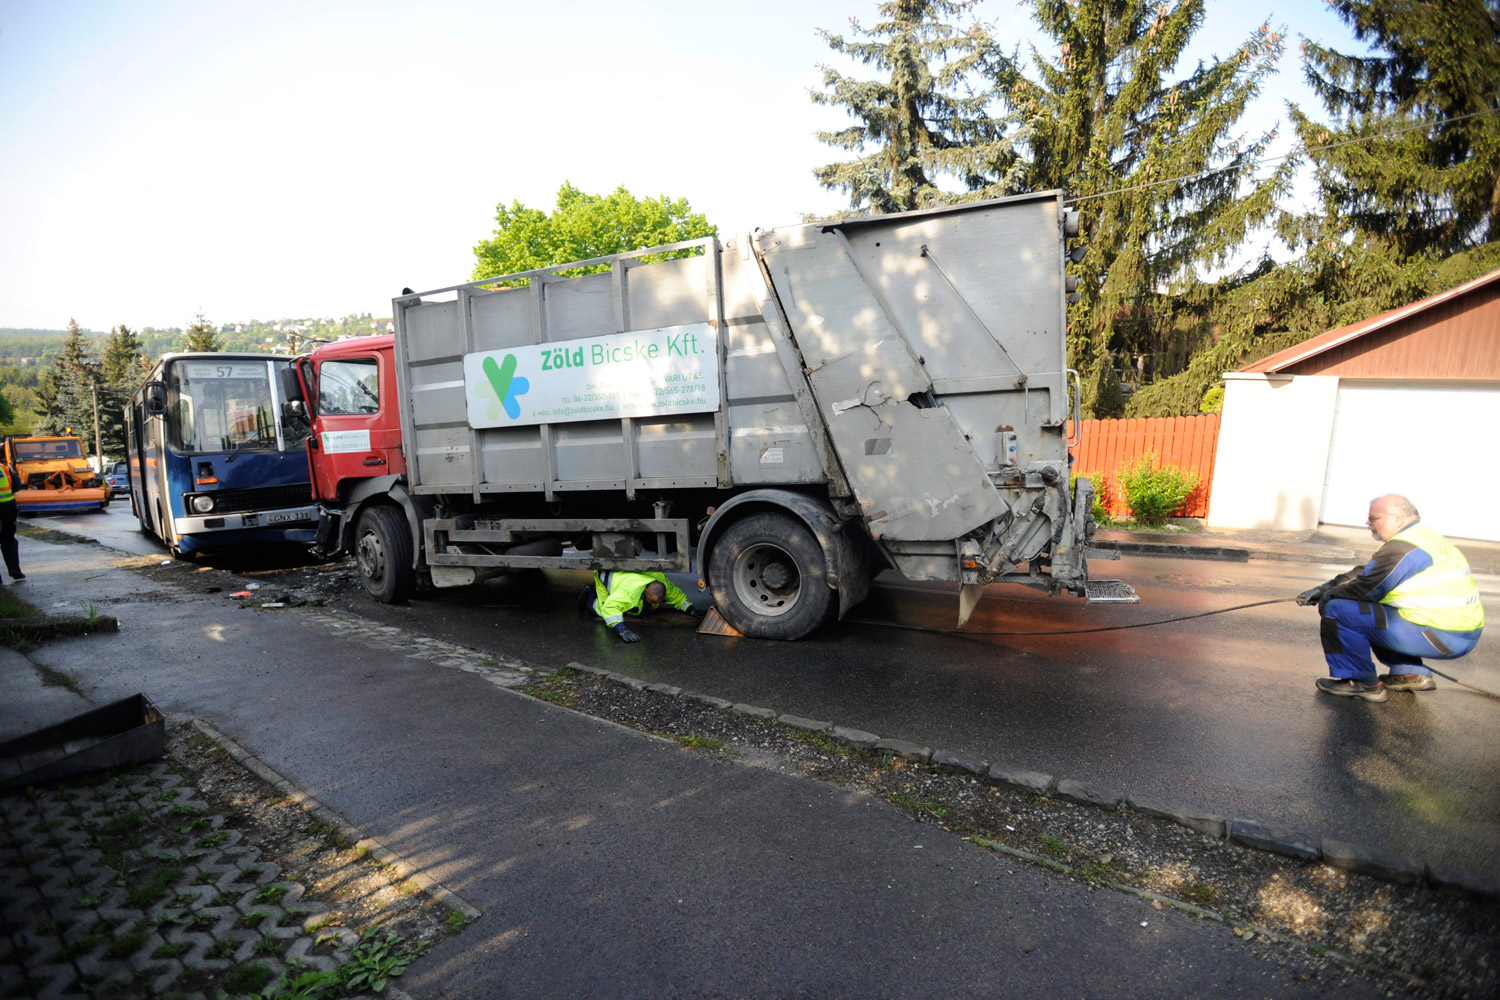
(72, 927)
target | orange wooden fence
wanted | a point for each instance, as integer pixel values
(1109, 446)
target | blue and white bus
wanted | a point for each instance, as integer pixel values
(213, 462)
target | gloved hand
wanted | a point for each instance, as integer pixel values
(1311, 596)
(624, 633)
(696, 612)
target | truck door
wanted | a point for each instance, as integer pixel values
(355, 430)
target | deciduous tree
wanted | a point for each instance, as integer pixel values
(584, 226)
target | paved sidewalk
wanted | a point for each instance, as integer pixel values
(610, 862)
(1332, 544)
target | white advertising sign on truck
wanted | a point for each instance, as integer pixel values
(639, 374)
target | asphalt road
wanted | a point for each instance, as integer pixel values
(1218, 713)
(609, 863)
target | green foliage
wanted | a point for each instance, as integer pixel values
(201, 336)
(1102, 396)
(1432, 87)
(376, 960)
(1153, 492)
(585, 226)
(1394, 210)
(1273, 307)
(122, 367)
(64, 396)
(1100, 483)
(1166, 187)
(933, 116)
(1213, 400)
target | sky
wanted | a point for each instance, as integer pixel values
(270, 160)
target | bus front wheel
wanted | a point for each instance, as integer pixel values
(383, 550)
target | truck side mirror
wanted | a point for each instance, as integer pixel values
(156, 399)
(294, 411)
(291, 388)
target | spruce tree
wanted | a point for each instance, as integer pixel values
(201, 336)
(1164, 185)
(1413, 155)
(1407, 183)
(65, 395)
(931, 118)
(122, 368)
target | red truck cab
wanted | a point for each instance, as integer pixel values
(349, 388)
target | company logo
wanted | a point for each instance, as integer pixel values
(506, 384)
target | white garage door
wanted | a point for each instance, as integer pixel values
(1434, 442)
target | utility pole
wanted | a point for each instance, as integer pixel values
(98, 456)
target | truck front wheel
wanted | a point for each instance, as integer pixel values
(769, 579)
(382, 549)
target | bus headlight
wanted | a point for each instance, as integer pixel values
(203, 504)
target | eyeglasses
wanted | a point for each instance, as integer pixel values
(1377, 517)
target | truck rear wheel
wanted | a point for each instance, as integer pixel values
(769, 579)
(382, 549)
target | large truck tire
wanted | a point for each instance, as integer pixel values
(768, 577)
(383, 552)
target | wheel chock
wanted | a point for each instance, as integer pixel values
(714, 624)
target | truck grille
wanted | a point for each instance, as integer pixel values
(264, 498)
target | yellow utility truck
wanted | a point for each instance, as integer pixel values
(52, 475)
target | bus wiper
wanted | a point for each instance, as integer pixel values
(260, 438)
(243, 445)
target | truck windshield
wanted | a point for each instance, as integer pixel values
(41, 451)
(215, 406)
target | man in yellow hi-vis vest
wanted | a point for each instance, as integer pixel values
(1415, 598)
(8, 547)
(618, 593)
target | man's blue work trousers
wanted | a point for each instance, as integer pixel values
(1351, 630)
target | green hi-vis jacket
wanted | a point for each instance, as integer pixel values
(619, 593)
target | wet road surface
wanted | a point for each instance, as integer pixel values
(1218, 713)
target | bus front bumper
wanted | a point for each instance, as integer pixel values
(286, 518)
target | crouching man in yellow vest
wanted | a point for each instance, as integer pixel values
(1415, 598)
(618, 593)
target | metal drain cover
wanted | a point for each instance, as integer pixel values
(1111, 592)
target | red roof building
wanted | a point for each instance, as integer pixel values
(1404, 402)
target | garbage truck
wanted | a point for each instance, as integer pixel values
(784, 413)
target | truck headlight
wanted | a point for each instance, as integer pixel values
(203, 504)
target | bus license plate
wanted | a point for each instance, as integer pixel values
(285, 517)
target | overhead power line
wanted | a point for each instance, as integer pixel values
(1290, 153)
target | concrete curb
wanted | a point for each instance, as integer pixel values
(398, 865)
(1373, 862)
(1221, 552)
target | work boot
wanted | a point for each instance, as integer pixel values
(1347, 688)
(586, 601)
(1409, 682)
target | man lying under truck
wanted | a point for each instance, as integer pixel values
(618, 593)
(1415, 598)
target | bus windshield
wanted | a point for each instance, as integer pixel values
(222, 406)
